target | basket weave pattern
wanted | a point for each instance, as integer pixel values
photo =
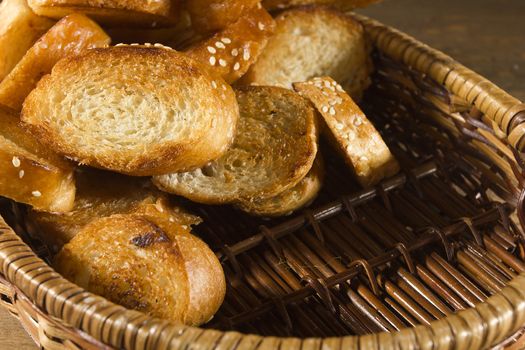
(436, 249)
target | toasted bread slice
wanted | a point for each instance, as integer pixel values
(209, 16)
(349, 129)
(274, 149)
(344, 5)
(290, 200)
(135, 110)
(233, 50)
(20, 27)
(111, 12)
(69, 36)
(31, 174)
(115, 257)
(314, 41)
(100, 194)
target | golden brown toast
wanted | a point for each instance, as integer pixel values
(209, 16)
(69, 36)
(20, 27)
(31, 173)
(348, 128)
(344, 5)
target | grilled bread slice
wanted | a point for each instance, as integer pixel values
(274, 149)
(135, 110)
(230, 52)
(31, 174)
(209, 16)
(69, 36)
(314, 41)
(344, 5)
(348, 128)
(20, 27)
(111, 12)
(116, 257)
(290, 200)
(100, 194)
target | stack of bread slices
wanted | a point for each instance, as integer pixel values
(110, 110)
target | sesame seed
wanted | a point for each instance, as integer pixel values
(351, 136)
(332, 110)
(211, 49)
(220, 45)
(21, 174)
(331, 102)
(36, 193)
(334, 83)
(324, 109)
(121, 44)
(235, 52)
(226, 40)
(246, 54)
(16, 161)
(339, 126)
(261, 26)
(339, 88)
(363, 159)
(236, 66)
(224, 87)
(222, 62)
(324, 93)
(214, 84)
(147, 44)
(358, 121)
(135, 44)
(327, 84)
(259, 6)
(212, 60)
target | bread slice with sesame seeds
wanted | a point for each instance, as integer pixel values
(32, 174)
(348, 128)
(20, 27)
(274, 149)
(69, 36)
(344, 5)
(111, 12)
(314, 41)
(230, 52)
(295, 198)
(135, 110)
(102, 194)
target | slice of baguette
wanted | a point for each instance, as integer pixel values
(32, 174)
(230, 52)
(69, 36)
(111, 12)
(344, 5)
(274, 149)
(101, 194)
(135, 110)
(314, 41)
(349, 129)
(208, 16)
(147, 263)
(20, 27)
(295, 198)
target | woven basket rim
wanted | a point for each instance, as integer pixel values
(480, 325)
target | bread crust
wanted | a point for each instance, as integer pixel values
(274, 149)
(350, 131)
(69, 36)
(312, 41)
(147, 263)
(135, 110)
(32, 174)
(295, 198)
(208, 16)
(344, 5)
(20, 27)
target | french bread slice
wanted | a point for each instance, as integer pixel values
(147, 263)
(20, 27)
(274, 149)
(314, 41)
(344, 5)
(111, 12)
(230, 52)
(69, 36)
(348, 128)
(32, 174)
(290, 200)
(134, 110)
(100, 194)
(208, 16)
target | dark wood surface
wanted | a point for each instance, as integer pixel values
(487, 36)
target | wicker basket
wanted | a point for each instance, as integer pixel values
(433, 258)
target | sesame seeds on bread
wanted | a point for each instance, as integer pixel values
(348, 128)
(314, 41)
(274, 149)
(134, 110)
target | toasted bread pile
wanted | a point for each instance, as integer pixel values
(112, 110)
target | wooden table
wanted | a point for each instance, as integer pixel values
(487, 36)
